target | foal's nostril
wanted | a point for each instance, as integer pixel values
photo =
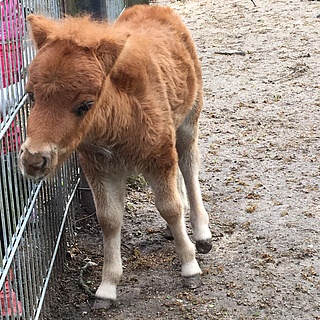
(44, 162)
(39, 162)
(34, 161)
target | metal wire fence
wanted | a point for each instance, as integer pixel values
(37, 219)
(34, 217)
(101, 9)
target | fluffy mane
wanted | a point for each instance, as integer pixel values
(83, 31)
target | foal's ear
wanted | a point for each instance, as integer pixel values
(108, 50)
(40, 29)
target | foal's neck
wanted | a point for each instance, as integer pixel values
(114, 119)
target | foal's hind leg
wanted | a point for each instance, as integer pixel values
(183, 196)
(187, 139)
(170, 206)
(182, 190)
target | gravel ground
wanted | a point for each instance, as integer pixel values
(260, 146)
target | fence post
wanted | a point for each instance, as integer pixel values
(97, 8)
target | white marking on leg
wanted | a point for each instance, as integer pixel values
(107, 291)
(189, 269)
(109, 200)
(185, 250)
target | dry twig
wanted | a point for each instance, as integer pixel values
(230, 53)
(82, 282)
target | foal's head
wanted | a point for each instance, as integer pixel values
(64, 84)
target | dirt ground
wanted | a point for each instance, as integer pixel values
(260, 146)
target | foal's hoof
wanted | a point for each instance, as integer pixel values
(204, 246)
(103, 304)
(192, 282)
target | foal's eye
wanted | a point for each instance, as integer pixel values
(31, 96)
(83, 108)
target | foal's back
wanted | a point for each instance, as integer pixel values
(163, 35)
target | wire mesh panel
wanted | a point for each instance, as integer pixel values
(33, 216)
(98, 9)
(114, 8)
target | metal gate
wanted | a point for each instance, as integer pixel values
(36, 218)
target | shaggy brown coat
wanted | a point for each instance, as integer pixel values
(127, 96)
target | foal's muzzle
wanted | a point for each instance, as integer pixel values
(35, 165)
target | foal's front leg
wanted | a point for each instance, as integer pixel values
(109, 200)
